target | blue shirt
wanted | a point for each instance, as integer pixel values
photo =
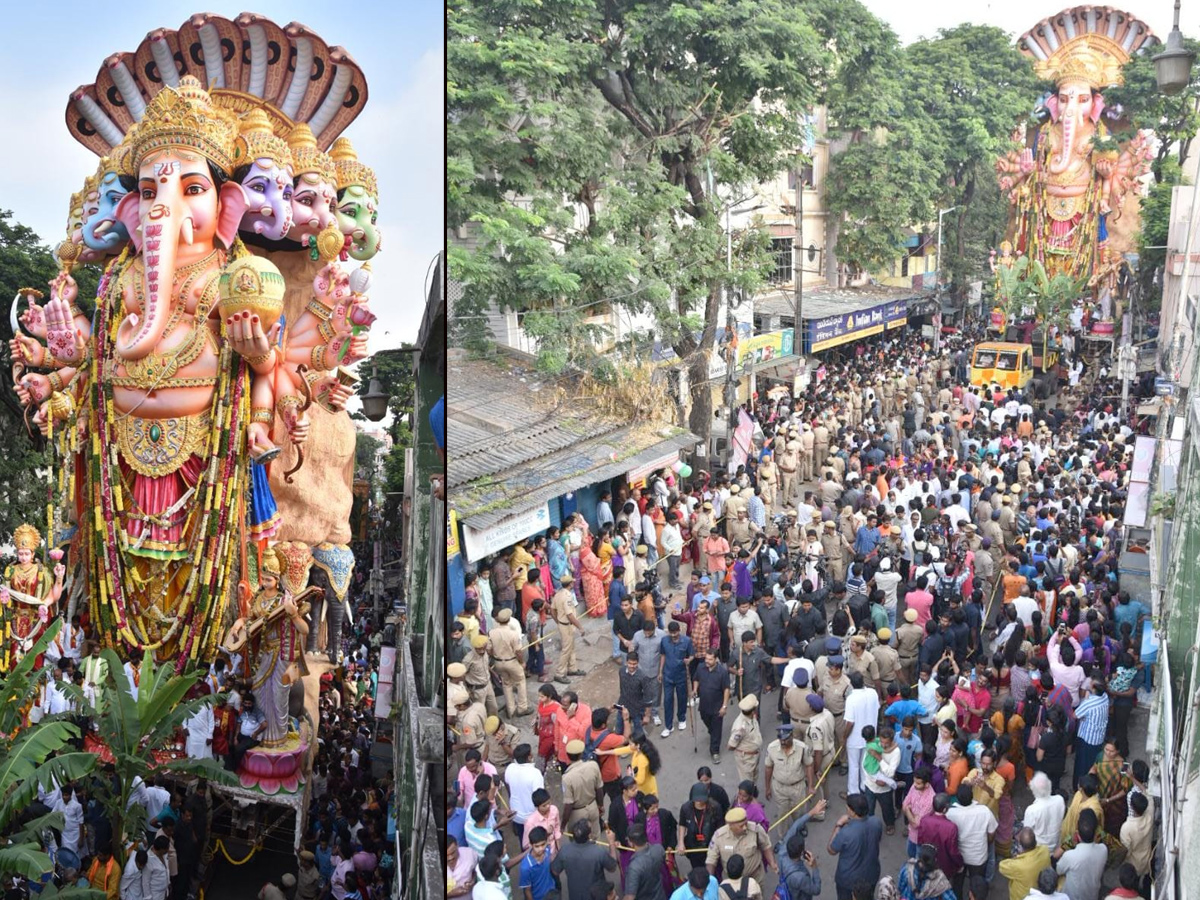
(1092, 716)
(456, 826)
(1129, 612)
(902, 708)
(757, 512)
(674, 653)
(712, 892)
(712, 597)
(616, 593)
(536, 876)
(865, 540)
(909, 748)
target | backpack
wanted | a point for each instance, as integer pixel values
(740, 893)
(590, 743)
(781, 891)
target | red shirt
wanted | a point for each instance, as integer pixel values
(610, 766)
(922, 602)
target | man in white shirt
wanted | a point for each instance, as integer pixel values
(72, 832)
(1082, 867)
(522, 778)
(131, 878)
(862, 709)
(976, 826)
(199, 730)
(1045, 814)
(1025, 606)
(155, 879)
(56, 700)
(155, 799)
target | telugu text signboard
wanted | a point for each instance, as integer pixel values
(843, 328)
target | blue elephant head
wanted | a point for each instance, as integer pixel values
(102, 230)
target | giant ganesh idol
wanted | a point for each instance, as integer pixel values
(198, 417)
(1074, 187)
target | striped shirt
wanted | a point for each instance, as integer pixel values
(1092, 714)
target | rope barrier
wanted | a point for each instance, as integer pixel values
(832, 760)
(237, 862)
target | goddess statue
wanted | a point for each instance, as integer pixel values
(30, 592)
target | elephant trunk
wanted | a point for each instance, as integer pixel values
(138, 337)
(1059, 164)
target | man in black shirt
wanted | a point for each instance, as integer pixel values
(726, 606)
(643, 878)
(639, 692)
(698, 819)
(627, 622)
(711, 686)
(584, 862)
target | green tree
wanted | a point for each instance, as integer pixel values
(134, 730)
(593, 148)
(1156, 228)
(24, 262)
(951, 104)
(1174, 119)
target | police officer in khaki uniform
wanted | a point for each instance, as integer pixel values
(500, 741)
(908, 645)
(735, 504)
(789, 462)
(834, 687)
(821, 741)
(820, 440)
(886, 658)
(745, 839)
(790, 772)
(582, 788)
(806, 453)
(863, 660)
(470, 721)
(767, 476)
(478, 679)
(1008, 520)
(508, 659)
(745, 740)
(562, 609)
(836, 547)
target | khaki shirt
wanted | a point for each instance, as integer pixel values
(738, 530)
(789, 460)
(888, 661)
(470, 725)
(806, 442)
(795, 701)
(750, 846)
(821, 436)
(833, 543)
(865, 664)
(746, 736)
(501, 743)
(477, 669)
(821, 729)
(506, 646)
(834, 693)
(562, 606)
(580, 783)
(908, 640)
(766, 471)
(788, 769)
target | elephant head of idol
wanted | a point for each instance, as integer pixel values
(101, 231)
(314, 187)
(83, 206)
(264, 170)
(357, 201)
(183, 208)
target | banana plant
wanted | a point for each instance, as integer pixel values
(1027, 290)
(31, 757)
(135, 730)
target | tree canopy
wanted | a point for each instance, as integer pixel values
(593, 148)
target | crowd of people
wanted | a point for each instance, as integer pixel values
(924, 575)
(346, 853)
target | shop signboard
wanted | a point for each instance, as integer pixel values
(761, 348)
(833, 331)
(481, 542)
(637, 477)
(452, 548)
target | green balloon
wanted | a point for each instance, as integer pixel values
(685, 470)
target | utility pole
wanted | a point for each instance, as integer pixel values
(797, 257)
(937, 292)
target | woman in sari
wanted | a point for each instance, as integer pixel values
(549, 724)
(621, 815)
(747, 799)
(595, 574)
(556, 558)
(1114, 785)
(1007, 721)
(542, 564)
(662, 829)
(1008, 815)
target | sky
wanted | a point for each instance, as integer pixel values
(912, 22)
(52, 48)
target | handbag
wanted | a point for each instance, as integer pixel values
(1035, 733)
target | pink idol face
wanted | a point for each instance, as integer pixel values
(312, 206)
(173, 186)
(24, 557)
(269, 194)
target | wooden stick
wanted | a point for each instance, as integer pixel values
(811, 793)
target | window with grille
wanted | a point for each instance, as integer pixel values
(782, 250)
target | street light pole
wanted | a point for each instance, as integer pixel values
(797, 260)
(937, 282)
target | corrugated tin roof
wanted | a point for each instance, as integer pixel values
(827, 301)
(485, 502)
(515, 440)
(499, 417)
